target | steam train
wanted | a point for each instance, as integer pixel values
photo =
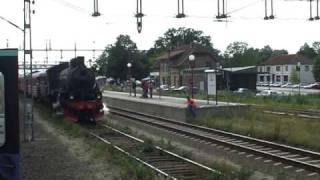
(67, 87)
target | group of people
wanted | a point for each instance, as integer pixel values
(147, 88)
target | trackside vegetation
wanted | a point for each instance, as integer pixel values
(294, 131)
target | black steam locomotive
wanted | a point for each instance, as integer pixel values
(70, 87)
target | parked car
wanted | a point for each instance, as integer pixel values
(242, 91)
(181, 89)
(312, 86)
(287, 85)
(164, 87)
(275, 84)
(296, 85)
(269, 93)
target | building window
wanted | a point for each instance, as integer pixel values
(285, 78)
(268, 69)
(287, 68)
(278, 78)
(278, 68)
(261, 78)
(268, 78)
(260, 69)
(306, 68)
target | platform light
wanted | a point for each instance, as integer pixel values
(192, 59)
(129, 68)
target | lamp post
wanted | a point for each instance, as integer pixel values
(299, 69)
(192, 62)
(218, 68)
(129, 68)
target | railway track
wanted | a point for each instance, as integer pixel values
(166, 164)
(312, 114)
(303, 160)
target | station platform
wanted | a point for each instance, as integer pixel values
(169, 107)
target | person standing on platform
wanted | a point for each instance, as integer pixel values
(150, 88)
(134, 86)
(144, 85)
(191, 106)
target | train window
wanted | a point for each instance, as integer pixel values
(2, 112)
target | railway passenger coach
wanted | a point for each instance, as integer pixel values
(9, 122)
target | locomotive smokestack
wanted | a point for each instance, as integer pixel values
(76, 62)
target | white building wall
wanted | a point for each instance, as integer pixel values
(306, 75)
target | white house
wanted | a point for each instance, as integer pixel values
(279, 69)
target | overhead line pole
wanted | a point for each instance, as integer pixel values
(317, 17)
(311, 18)
(27, 48)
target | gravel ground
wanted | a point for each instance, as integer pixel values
(54, 155)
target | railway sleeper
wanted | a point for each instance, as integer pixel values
(185, 172)
(154, 161)
(171, 165)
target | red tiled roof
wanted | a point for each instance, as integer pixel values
(181, 53)
(288, 59)
(172, 54)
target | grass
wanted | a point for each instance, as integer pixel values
(129, 168)
(290, 130)
(228, 172)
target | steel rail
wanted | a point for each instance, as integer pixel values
(231, 144)
(313, 114)
(153, 167)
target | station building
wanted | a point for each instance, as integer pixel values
(279, 69)
(175, 68)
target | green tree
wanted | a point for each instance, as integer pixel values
(113, 61)
(181, 36)
(316, 69)
(294, 78)
(240, 54)
(236, 48)
(175, 37)
(307, 51)
(316, 47)
(279, 52)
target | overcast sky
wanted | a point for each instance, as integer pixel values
(66, 22)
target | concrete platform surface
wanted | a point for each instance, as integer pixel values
(168, 107)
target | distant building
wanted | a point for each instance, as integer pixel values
(175, 68)
(239, 77)
(279, 69)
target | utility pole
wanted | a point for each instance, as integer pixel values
(27, 59)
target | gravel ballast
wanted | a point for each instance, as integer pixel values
(55, 155)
